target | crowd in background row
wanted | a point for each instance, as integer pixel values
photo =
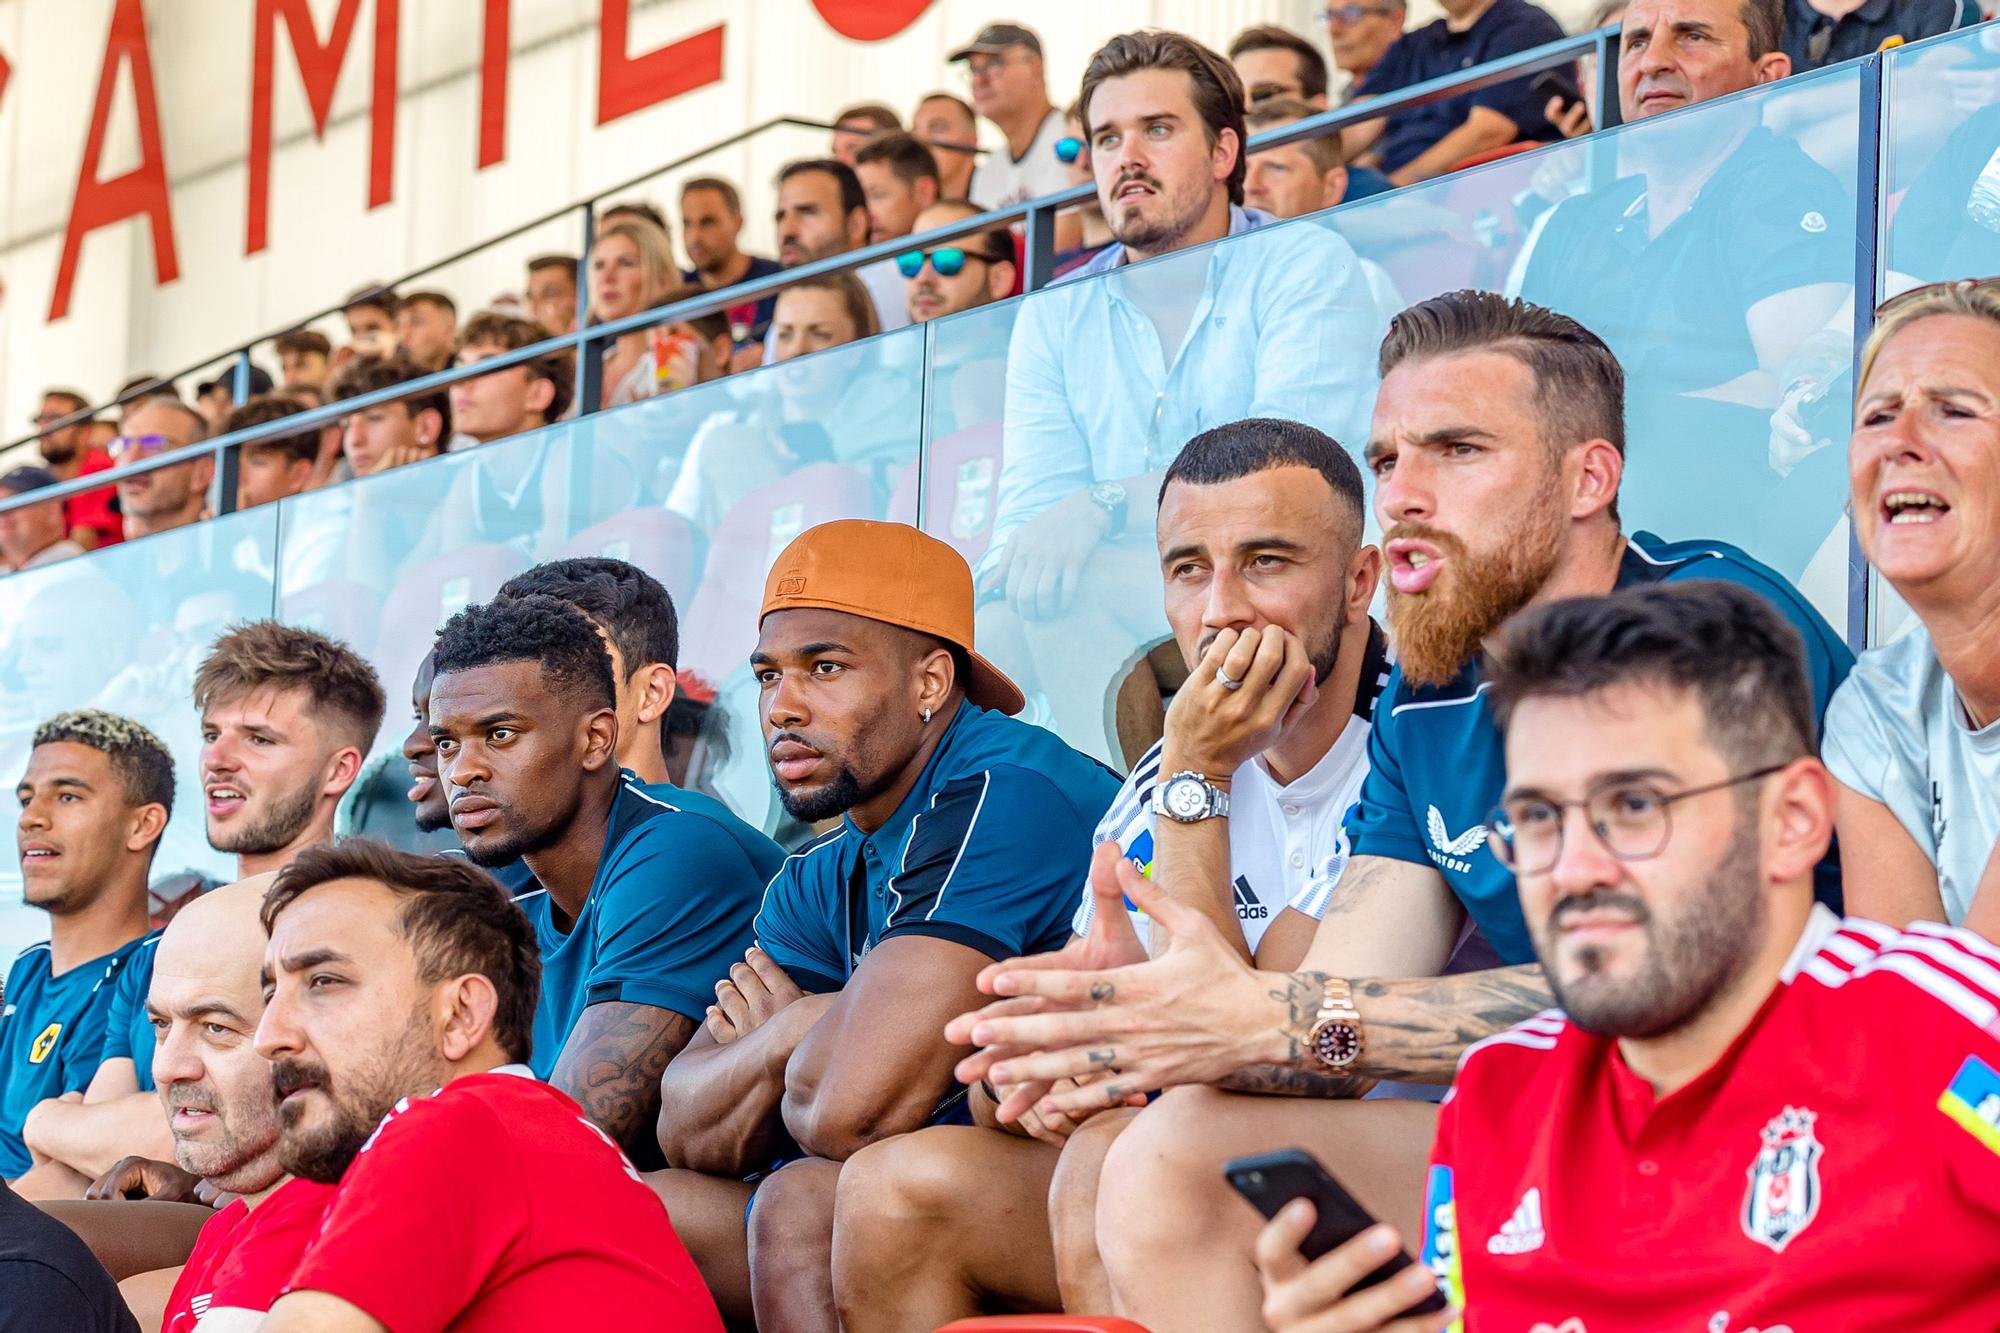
(881, 180)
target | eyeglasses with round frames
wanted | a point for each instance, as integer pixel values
(1630, 819)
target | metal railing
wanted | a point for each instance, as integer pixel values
(1037, 216)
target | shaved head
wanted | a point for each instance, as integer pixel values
(205, 1003)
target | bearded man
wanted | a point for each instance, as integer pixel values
(1497, 446)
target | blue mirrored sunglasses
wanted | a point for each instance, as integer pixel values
(948, 260)
(1068, 149)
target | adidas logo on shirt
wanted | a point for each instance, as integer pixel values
(1522, 1233)
(1247, 906)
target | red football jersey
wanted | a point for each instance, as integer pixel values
(496, 1204)
(1837, 1168)
(243, 1257)
(95, 509)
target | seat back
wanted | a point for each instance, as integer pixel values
(658, 541)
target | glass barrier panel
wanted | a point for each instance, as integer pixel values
(702, 488)
(1737, 405)
(123, 629)
(1941, 193)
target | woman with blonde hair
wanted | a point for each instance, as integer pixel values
(1913, 736)
(632, 269)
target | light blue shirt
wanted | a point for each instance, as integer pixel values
(1284, 327)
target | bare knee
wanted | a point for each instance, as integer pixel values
(1073, 1210)
(793, 1208)
(903, 1185)
(1165, 1154)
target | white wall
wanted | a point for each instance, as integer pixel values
(780, 58)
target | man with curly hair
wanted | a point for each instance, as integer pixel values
(641, 898)
(94, 801)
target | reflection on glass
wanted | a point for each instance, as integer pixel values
(123, 629)
(1941, 166)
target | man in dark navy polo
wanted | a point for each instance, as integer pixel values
(1825, 32)
(1420, 142)
(94, 801)
(1716, 263)
(642, 896)
(961, 837)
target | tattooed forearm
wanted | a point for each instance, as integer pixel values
(612, 1063)
(1279, 1081)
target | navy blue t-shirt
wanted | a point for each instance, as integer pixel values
(1437, 763)
(51, 1037)
(986, 850)
(1433, 50)
(128, 1030)
(760, 267)
(669, 912)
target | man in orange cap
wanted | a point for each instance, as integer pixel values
(962, 837)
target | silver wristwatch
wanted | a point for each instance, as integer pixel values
(1189, 798)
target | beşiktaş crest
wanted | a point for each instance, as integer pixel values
(1784, 1180)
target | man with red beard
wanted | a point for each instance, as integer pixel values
(1497, 446)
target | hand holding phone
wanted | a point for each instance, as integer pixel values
(1272, 1180)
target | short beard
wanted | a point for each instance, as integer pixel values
(1690, 959)
(409, 1067)
(835, 798)
(491, 856)
(1438, 631)
(245, 1161)
(428, 823)
(290, 815)
(1159, 237)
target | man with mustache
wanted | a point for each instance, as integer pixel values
(961, 839)
(1681, 1100)
(94, 800)
(401, 1002)
(1260, 525)
(1497, 449)
(1730, 375)
(1275, 326)
(641, 896)
(205, 1004)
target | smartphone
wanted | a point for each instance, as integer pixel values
(1557, 84)
(1272, 1180)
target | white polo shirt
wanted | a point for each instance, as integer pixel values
(1287, 844)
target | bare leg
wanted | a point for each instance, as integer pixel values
(146, 1296)
(1073, 1212)
(707, 1213)
(791, 1249)
(51, 1180)
(1176, 1239)
(132, 1235)
(940, 1224)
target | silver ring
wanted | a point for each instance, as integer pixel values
(1226, 682)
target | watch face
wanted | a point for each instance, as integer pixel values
(1336, 1044)
(1186, 799)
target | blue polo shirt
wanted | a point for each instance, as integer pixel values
(51, 1037)
(1510, 26)
(986, 850)
(669, 912)
(1813, 40)
(1437, 764)
(128, 1030)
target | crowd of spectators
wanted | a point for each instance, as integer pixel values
(988, 1035)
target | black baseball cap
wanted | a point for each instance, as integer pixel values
(260, 381)
(21, 480)
(995, 38)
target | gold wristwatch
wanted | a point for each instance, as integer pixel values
(1336, 1037)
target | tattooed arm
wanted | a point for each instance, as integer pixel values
(612, 1063)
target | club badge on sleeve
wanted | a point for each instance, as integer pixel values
(1783, 1197)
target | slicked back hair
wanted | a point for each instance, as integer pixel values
(908, 159)
(261, 654)
(1257, 444)
(537, 628)
(844, 180)
(140, 759)
(1764, 20)
(1721, 642)
(457, 918)
(731, 200)
(1218, 92)
(633, 607)
(1579, 386)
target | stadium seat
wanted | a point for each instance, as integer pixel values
(964, 478)
(339, 608)
(1495, 154)
(1043, 1323)
(721, 625)
(658, 541)
(428, 594)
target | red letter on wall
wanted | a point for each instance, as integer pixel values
(627, 83)
(870, 20)
(493, 85)
(140, 190)
(319, 70)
